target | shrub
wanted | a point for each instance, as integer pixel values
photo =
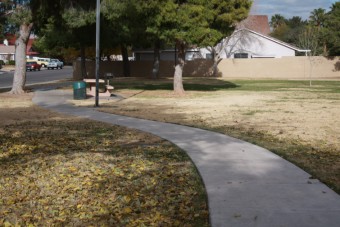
(11, 62)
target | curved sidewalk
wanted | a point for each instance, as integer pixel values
(246, 184)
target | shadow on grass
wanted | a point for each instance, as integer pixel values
(4, 90)
(216, 84)
(207, 85)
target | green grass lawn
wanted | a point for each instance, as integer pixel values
(215, 84)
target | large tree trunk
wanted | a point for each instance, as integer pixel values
(216, 61)
(156, 60)
(126, 65)
(19, 78)
(178, 77)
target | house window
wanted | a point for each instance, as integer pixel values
(241, 55)
(192, 55)
(208, 56)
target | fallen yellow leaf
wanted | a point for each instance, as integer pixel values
(127, 210)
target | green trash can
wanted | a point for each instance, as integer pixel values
(79, 90)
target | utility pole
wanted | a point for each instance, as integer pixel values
(97, 51)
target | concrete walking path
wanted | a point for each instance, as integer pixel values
(246, 184)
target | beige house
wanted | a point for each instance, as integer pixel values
(7, 53)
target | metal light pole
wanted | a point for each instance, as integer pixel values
(97, 51)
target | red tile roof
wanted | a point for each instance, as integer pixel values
(257, 23)
(10, 38)
(29, 48)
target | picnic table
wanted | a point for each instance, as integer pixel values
(92, 90)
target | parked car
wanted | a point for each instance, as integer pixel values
(43, 61)
(55, 64)
(32, 65)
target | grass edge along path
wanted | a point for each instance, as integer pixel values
(305, 156)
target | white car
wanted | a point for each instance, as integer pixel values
(55, 64)
(42, 61)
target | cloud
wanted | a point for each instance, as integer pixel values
(289, 8)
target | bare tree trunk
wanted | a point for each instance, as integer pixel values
(217, 52)
(178, 77)
(126, 65)
(156, 62)
(217, 60)
(19, 78)
(215, 69)
(325, 52)
(310, 70)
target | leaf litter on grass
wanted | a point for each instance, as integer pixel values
(77, 173)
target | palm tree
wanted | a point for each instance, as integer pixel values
(276, 21)
(295, 22)
(317, 17)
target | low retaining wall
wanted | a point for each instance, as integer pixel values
(271, 68)
(282, 68)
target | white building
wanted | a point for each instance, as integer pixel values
(245, 43)
(250, 40)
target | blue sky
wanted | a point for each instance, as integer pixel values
(289, 8)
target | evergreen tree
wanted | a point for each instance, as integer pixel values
(332, 30)
(203, 23)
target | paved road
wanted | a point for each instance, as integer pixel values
(37, 77)
(246, 184)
